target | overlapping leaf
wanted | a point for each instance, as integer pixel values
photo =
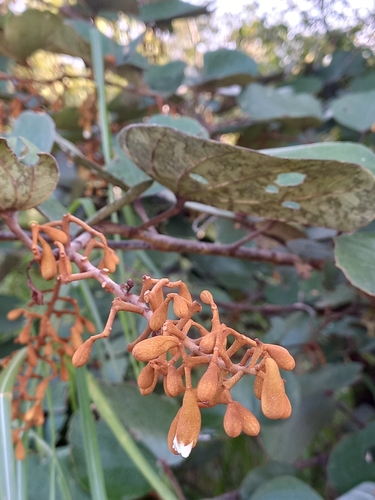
(332, 194)
(25, 186)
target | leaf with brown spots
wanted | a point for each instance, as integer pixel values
(327, 193)
(25, 186)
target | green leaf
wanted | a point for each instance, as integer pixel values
(122, 478)
(363, 83)
(285, 488)
(365, 491)
(343, 63)
(352, 460)
(340, 151)
(334, 194)
(25, 186)
(35, 29)
(182, 123)
(308, 84)
(224, 67)
(354, 255)
(355, 110)
(166, 78)
(126, 6)
(147, 418)
(260, 475)
(285, 441)
(264, 103)
(37, 128)
(169, 9)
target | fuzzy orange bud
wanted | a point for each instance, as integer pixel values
(110, 260)
(208, 384)
(184, 292)
(19, 450)
(48, 265)
(173, 382)
(180, 305)
(15, 313)
(64, 372)
(283, 358)
(207, 342)
(188, 425)
(258, 385)
(32, 356)
(172, 433)
(149, 349)
(273, 400)
(249, 422)
(82, 354)
(206, 297)
(159, 316)
(146, 377)
(232, 421)
(55, 234)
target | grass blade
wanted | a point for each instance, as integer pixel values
(93, 461)
(8, 482)
(126, 441)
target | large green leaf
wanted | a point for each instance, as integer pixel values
(260, 475)
(355, 256)
(286, 488)
(352, 460)
(343, 63)
(37, 128)
(340, 151)
(355, 110)
(364, 491)
(25, 186)
(35, 29)
(169, 9)
(147, 418)
(332, 194)
(225, 67)
(263, 103)
(285, 441)
(122, 478)
(166, 78)
(127, 6)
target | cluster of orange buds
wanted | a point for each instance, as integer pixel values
(58, 263)
(43, 344)
(173, 347)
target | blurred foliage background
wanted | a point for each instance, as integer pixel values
(297, 82)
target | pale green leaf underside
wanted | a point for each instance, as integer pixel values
(333, 194)
(25, 186)
(354, 254)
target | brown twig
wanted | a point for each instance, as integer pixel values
(10, 219)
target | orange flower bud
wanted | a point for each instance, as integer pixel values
(48, 265)
(184, 292)
(209, 384)
(180, 305)
(172, 433)
(19, 450)
(288, 408)
(146, 377)
(159, 316)
(32, 356)
(258, 384)
(110, 260)
(206, 297)
(149, 349)
(207, 342)
(82, 354)
(284, 360)
(15, 313)
(173, 382)
(55, 234)
(24, 335)
(232, 421)
(188, 425)
(41, 389)
(249, 422)
(273, 400)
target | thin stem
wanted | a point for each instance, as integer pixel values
(10, 219)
